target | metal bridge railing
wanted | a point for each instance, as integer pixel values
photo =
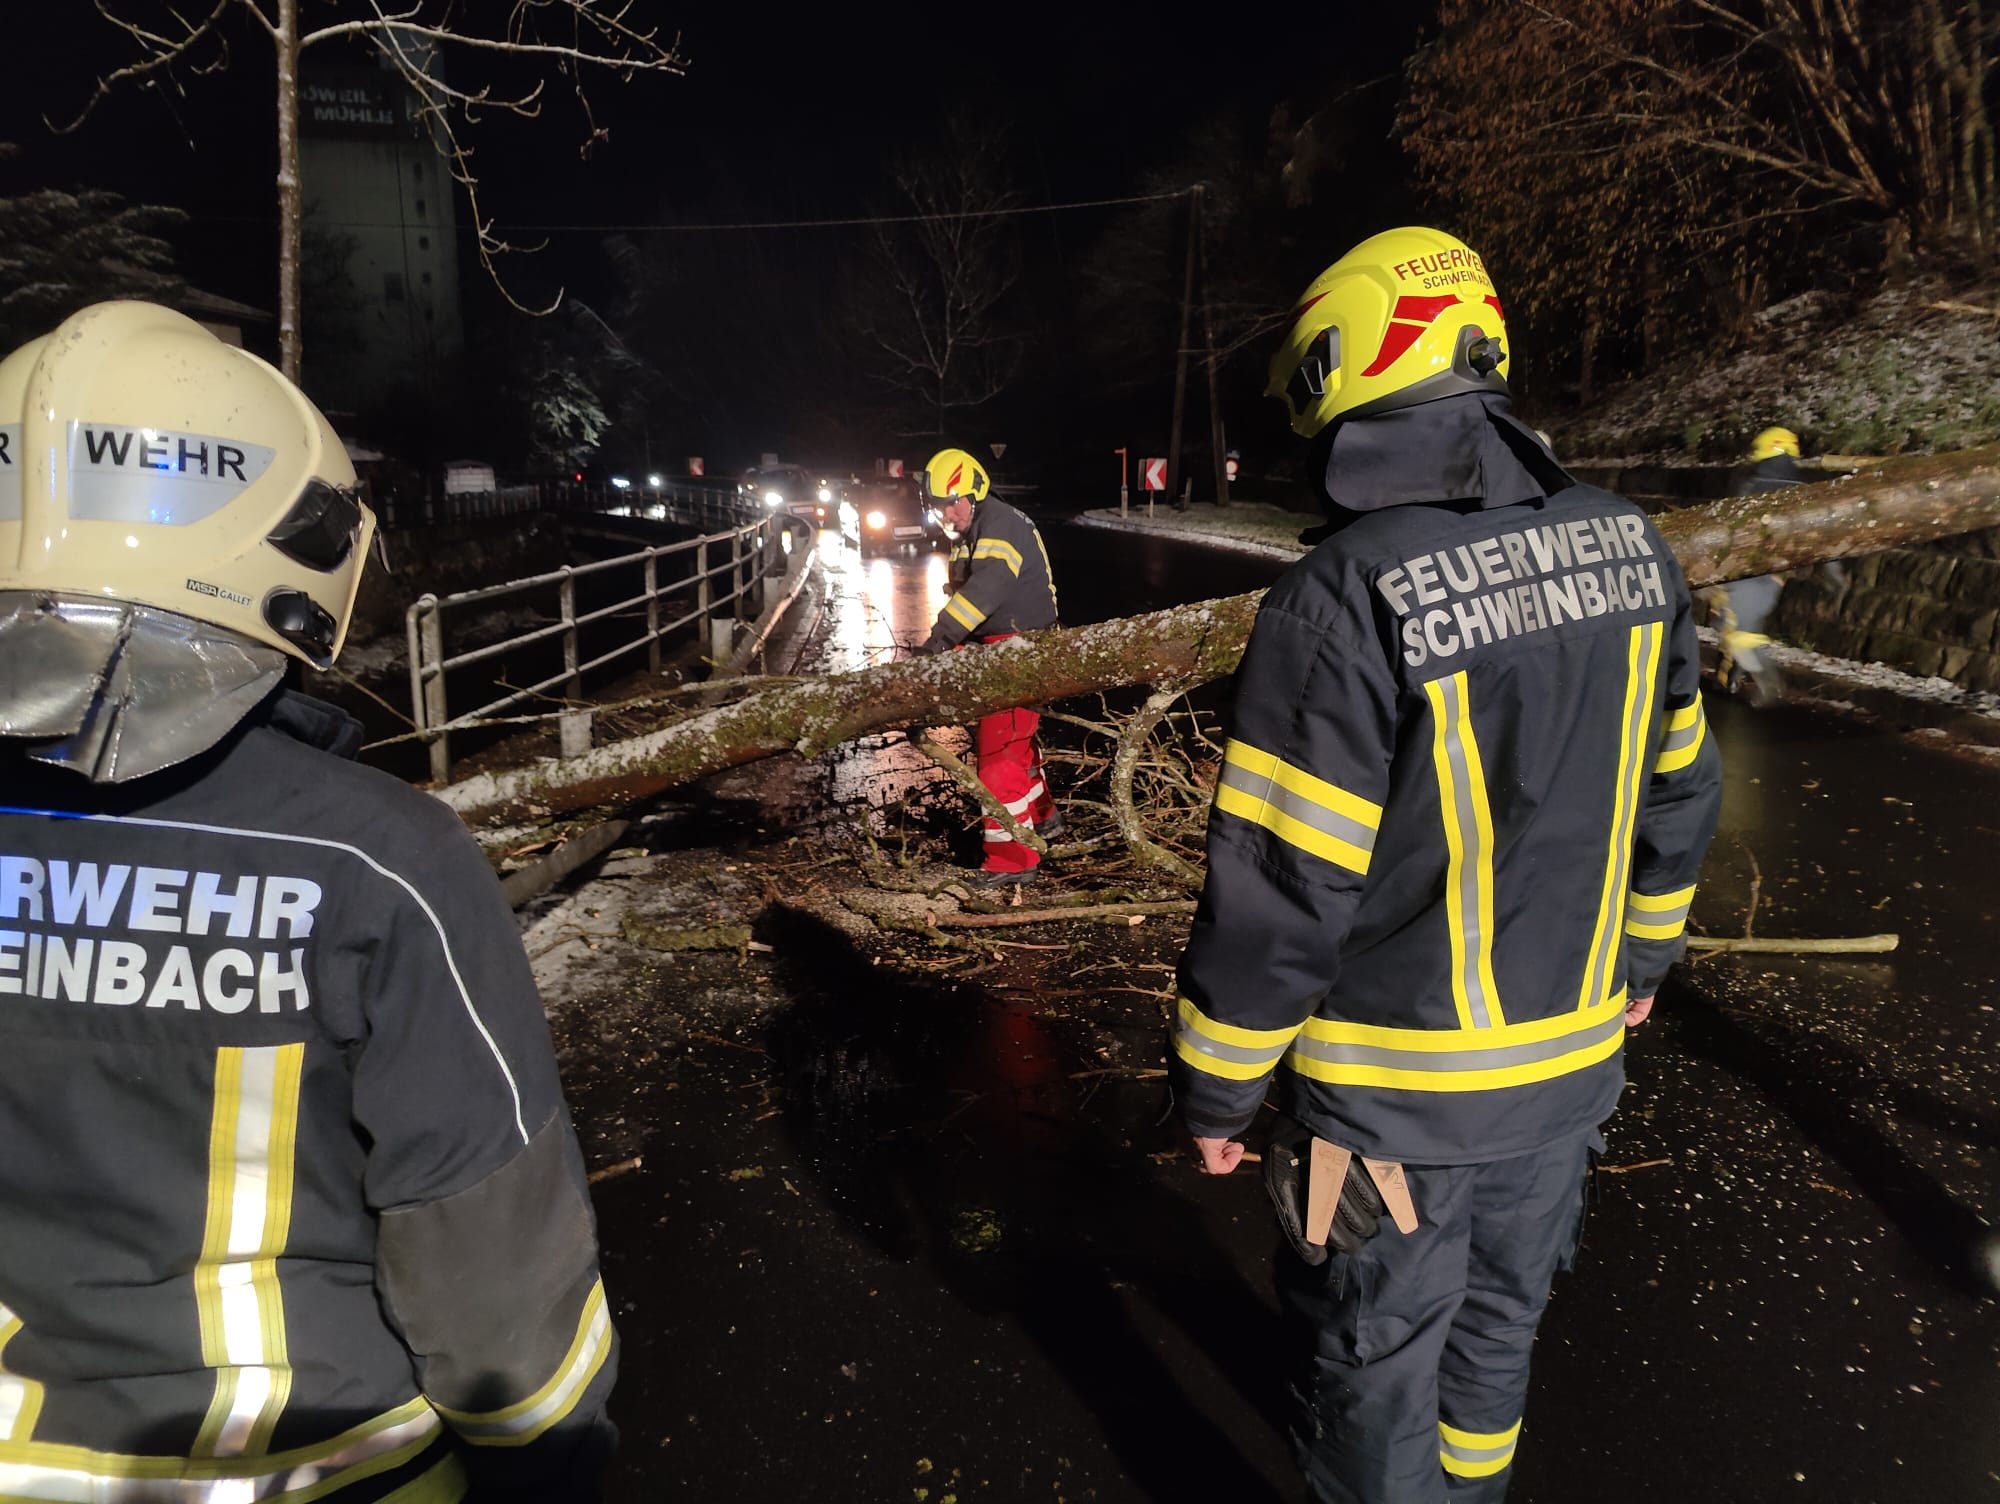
(671, 501)
(728, 567)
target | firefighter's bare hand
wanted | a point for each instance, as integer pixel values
(1218, 1156)
(1636, 1010)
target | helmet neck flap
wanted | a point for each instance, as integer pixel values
(1468, 448)
(115, 690)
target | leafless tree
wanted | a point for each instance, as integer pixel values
(571, 39)
(931, 307)
(1662, 165)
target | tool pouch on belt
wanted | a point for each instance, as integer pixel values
(1357, 1212)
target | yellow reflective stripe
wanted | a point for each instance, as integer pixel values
(1001, 549)
(962, 611)
(1318, 817)
(520, 1423)
(1476, 1454)
(1658, 916)
(1477, 1441)
(1468, 833)
(1642, 664)
(1228, 1050)
(20, 1398)
(1686, 728)
(446, 1483)
(1328, 795)
(1048, 569)
(238, 1301)
(49, 1471)
(1347, 1054)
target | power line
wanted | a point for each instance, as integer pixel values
(768, 224)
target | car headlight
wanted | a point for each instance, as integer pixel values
(826, 493)
(877, 519)
(774, 498)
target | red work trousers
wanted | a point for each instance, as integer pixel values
(1011, 768)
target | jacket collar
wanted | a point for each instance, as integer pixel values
(1464, 449)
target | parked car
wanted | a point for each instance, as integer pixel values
(894, 517)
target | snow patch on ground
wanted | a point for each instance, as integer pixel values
(1906, 369)
(1878, 676)
(1250, 527)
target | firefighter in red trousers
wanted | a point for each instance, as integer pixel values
(1002, 586)
(1463, 804)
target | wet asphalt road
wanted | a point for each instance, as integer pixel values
(948, 1269)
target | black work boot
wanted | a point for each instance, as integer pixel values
(986, 881)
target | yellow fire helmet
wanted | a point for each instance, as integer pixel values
(176, 518)
(143, 460)
(1773, 442)
(1405, 317)
(952, 472)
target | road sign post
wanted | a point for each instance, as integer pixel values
(1124, 474)
(1153, 479)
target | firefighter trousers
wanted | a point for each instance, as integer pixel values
(1011, 768)
(1417, 1373)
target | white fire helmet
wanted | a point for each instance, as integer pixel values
(175, 519)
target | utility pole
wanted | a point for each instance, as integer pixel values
(1181, 346)
(1215, 442)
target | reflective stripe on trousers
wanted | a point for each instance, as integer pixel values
(1418, 1377)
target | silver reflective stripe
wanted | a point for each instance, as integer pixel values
(1469, 827)
(1297, 806)
(1477, 1454)
(522, 1423)
(1265, 1055)
(1643, 663)
(1441, 1062)
(1680, 741)
(212, 1482)
(1659, 918)
(153, 475)
(10, 472)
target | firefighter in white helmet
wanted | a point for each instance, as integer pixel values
(292, 1207)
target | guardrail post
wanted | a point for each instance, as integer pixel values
(739, 583)
(567, 593)
(434, 715)
(652, 611)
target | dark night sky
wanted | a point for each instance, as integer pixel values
(784, 113)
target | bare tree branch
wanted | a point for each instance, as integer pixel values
(570, 37)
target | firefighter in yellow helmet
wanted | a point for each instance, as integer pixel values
(1002, 584)
(1743, 607)
(1464, 797)
(292, 1205)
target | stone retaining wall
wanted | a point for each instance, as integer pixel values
(1932, 611)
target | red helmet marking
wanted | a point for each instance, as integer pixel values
(1494, 303)
(951, 486)
(1411, 317)
(1300, 311)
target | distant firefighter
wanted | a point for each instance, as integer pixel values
(1002, 585)
(1464, 798)
(1743, 607)
(291, 1207)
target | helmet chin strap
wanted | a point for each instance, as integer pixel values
(115, 691)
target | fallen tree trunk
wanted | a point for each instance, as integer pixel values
(1901, 502)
